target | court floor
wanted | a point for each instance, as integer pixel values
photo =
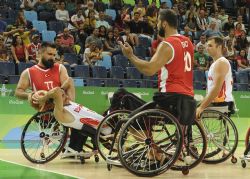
(65, 168)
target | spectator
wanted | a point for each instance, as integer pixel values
(19, 51)
(101, 21)
(201, 59)
(211, 31)
(151, 14)
(90, 22)
(229, 25)
(242, 42)
(156, 42)
(66, 41)
(100, 6)
(62, 14)
(34, 48)
(129, 37)
(4, 56)
(223, 17)
(203, 41)
(238, 30)
(231, 36)
(140, 8)
(242, 61)
(218, 22)
(90, 7)
(20, 20)
(191, 22)
(28, 4)
(92, 54)
(240, 21)
(110, 44)
(94, 37)
(77, 20)
(202, 21)
(229, 53)
(136, 25)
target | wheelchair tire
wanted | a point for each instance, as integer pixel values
(222, 136)
(247, 140)
(43, 138)
(111, 120)
(194, 150)
(145, 133)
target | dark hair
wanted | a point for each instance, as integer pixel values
(169, 16)
(218, 40)
(47, 44)
(14, 40)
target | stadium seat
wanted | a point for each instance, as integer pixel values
(140, 51)
(133, 73)
(106, 62)
(144, 42)
(198, 85)
(71, 58)
(30, 15)
(9, 21)
(120, 60)
(3, 26)
(242, 87)
(95, 82)
(99, 72)
(13, 79)
(2, 79)
(242, 77)
(130, 83)
(168, 2)
(56, 26)
(22, 66)
(78, 82)
(81, 71)
(199, 77)
(7, 68)
(39, 25)
(68, 68)
(48, 35)
(112, 82)
(116, 72)
(46, 16)
(149, 83)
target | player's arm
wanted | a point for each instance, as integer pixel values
(220, 71)
(162, 55)
(67, 83)
(22, 86)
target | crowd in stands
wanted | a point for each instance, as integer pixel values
(91, 29)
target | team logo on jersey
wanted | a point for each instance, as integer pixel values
(47, 75)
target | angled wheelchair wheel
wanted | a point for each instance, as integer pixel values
(247, 140)
(222, 136)
(150, 142)
(106, 132)
(194, 148)
(43, 138)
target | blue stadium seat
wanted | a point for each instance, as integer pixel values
(120, 60)
(3, 26)
(2, 79)
(95, 82)
(116, 72)
(168, 2)
(67, 66)
(144, 42)
(242, 87)
(9, 21)
(71, 58)
(149, 83)
(140, 51)
(112, 82)
(242, 77)
(133, 73)
(48, 35)
(198, 85)
(30, 15)
(200, 77)
(13, 79)
(7, 68)
(111, 13)
(99, 72)
(81, 71)
(106, 62)
(130, 83)
(46, 16)
(39, 25)
(22, 66)
(56, 26)
(78, 82)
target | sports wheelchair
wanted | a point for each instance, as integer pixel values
(43, 138)
(246, 156)
(137, 137)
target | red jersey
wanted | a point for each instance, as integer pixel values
(41, 79)
(177, 75)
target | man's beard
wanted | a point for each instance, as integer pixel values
(161, 32)
(48, 63)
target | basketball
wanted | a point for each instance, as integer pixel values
(41, 107)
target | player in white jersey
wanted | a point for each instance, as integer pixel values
(219, 82)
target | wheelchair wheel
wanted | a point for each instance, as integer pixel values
(194, 148)
(104, 141)
(222, 136)
(150, 142)
(43, 138)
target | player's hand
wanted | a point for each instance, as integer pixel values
(199, 110)
(126, 49)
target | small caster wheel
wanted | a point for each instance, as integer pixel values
(96, 158)
(234, 160)
(42, 155)
(82, 160)
(109, 166)
(243, 164)
(185, 171)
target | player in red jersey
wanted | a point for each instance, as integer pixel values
(173, 61)
(47, 75)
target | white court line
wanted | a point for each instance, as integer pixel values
(40, 169)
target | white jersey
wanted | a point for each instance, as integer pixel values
(83, 115)
(225, 94)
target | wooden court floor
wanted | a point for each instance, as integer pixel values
(92, 170)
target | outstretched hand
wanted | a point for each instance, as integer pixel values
(126, 49)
